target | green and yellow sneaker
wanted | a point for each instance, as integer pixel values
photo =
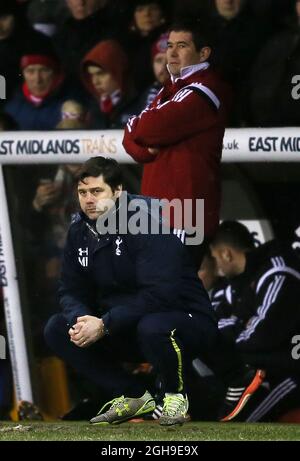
(124, 408)
(174, 410)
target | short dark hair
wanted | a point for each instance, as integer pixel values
(199, 31)
(105, 166)
(234, 234)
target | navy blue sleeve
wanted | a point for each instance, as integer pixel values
(159, 261)
(75, 290)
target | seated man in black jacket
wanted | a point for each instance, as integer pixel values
(259, 315)
(128, 296)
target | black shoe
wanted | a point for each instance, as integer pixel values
(155, 415)
(239, 392)
(84, 410)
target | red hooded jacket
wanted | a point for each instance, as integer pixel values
(108, 55)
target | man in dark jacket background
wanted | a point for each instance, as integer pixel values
(88, 24)
(128, 296)
(15, 37)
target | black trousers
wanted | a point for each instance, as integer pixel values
(167, 340)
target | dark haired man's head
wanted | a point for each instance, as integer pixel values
(188, 45)
(229, 247)
(197, 29)
(105, 166)
(234, 234)
(99, 185)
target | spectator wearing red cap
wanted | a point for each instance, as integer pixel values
(37, 104)
(105, 74)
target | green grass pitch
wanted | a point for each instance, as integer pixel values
(147, 431)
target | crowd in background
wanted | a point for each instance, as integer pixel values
(93, 64)
(49, 50)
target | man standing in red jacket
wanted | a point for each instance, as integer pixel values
(179, 136)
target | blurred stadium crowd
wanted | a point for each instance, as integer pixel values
(255, 43)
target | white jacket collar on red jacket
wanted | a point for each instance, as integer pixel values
(189, 70)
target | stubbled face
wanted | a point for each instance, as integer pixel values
(181, 52)
(148, 17)
(96, 196)
(159, 67)
(39, 79)
(7, 24)
(81, 9)
(103, 82)
(228, 8)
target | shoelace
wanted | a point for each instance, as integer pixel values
(171, 404)
(113, 404)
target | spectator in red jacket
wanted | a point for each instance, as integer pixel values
(105, 74)
(179, 137)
